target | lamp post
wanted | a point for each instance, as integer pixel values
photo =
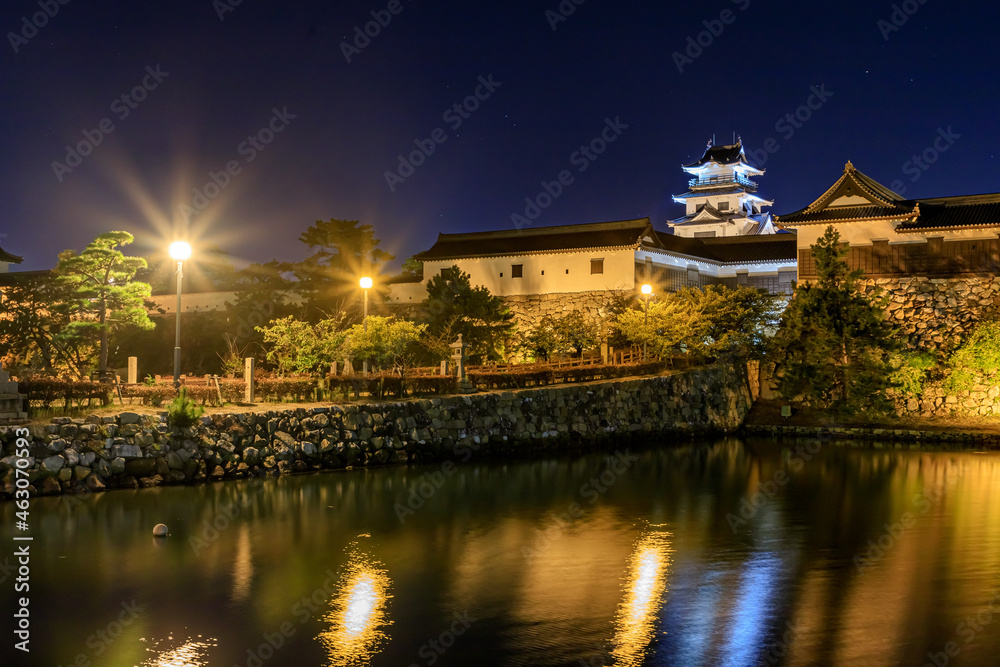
(179, 250)
(647, 291)
(366, 284)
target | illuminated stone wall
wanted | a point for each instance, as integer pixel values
(935, 313)
(131, 450)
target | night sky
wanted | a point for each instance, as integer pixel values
(211, 75)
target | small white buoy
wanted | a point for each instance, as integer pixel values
(160, 530)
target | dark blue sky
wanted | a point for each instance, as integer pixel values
(342, 124)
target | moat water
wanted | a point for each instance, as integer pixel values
(713, 553)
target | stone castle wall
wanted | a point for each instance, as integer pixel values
(529, 310)
(936, 313)
(131, 450)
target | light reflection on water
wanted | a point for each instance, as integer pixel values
(636, 622)
(358, 617)
(783, 585)
(192, 653)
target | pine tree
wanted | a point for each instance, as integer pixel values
(833, 343)
(105, 296)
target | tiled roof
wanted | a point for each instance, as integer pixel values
(955, 213)
(532, 240)
(842, 215)
(16, 277)
(915, 215)
(9, 258)
(731, 154)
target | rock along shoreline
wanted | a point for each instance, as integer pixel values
(129, 450)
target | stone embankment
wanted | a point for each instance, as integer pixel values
(877, 437)
(131, 451)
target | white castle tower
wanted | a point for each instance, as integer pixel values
(721, 199)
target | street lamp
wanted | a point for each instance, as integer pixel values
(366, 284)
(647, 291)
(179, 250)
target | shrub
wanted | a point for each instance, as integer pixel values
(182, 411)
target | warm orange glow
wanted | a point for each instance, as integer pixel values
(359, 614)
(647, 289)
(635, 622)
(366, 282)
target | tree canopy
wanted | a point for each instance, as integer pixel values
(104, 295)
(342, 252)
(454, 307)
(834, 345)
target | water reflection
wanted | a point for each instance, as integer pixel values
(636, 620)
(192, 653)
(358, 617)
(242, 566)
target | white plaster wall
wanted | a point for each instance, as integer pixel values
(864, 233)
(564, 272)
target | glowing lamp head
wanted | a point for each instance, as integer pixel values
(180, 250)
(647, 289)
(366, 283)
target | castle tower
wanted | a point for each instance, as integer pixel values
(721, 199)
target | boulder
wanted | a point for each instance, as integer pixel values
(53, 464)
(128, 418)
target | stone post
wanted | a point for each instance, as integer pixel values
(133, 370)
(444, 369)
(250, 389)
(604, 351)
(458, 355)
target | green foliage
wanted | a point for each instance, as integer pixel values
(573, 333)
(671, 321)
(834, 345)
(105, 296)
(910, 371)
(977, 360)
(182, 412)
(37, 310)
(576, 332)
(388, 342)
(413, 269)
(734, 322)
(454, 307)
(299, 347)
